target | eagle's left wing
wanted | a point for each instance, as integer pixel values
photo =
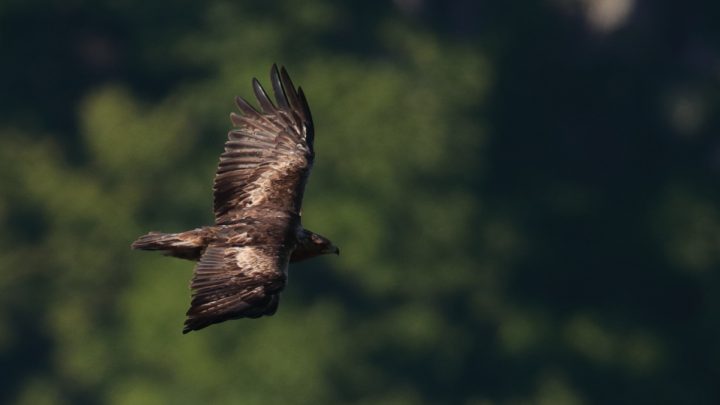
(268, 156)
(234, 282)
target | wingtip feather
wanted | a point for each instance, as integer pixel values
(280, 94)
(305, 107)
(290, 91)
(262, 97)
(245, 107)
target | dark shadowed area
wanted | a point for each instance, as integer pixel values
(525, 195)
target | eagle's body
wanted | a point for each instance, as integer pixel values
(258, 190)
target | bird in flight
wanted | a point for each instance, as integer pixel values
(258, 190)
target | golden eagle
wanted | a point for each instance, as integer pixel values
(258, 192)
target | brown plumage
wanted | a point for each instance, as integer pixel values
(258, 191)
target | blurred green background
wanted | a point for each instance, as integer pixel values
(525, 195)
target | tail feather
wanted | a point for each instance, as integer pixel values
(185, 245)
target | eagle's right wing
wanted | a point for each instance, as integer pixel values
(268, 156)
(234, 282)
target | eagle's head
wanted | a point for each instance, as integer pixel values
(310, 244)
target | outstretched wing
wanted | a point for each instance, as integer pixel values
(268, 156)
(234, 282)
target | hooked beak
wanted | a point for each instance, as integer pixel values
(333, 249)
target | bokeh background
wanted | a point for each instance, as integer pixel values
(525, 195)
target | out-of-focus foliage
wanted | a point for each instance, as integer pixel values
(525, 197)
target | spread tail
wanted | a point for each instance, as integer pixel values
(185, 245)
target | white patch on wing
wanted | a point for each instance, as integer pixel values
(251, 260)
(259, 192)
